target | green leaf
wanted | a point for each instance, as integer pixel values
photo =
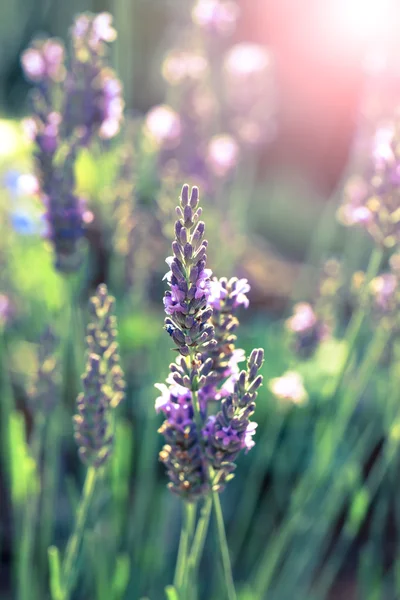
(171, 593)
(121, 576)
(358, 510)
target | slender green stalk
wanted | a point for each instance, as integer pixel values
(358, 317)
(75, 540)
(372, 484)
(200, 535)
(182, 570)
(52, 443)
(223, 544)
(254, 482)
(273, 555)
(26, 574)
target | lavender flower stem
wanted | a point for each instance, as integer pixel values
(25, 575)
(358, 317)
(181, 571)
(200, 537)
(223, 544)
(75, 540)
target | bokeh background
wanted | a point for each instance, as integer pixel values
(336, 72)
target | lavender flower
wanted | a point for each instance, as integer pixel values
(189, 280)
(163, 126)
(66, 118)
(44, 61)
(103, 383)
(56, 176)
(222, 155)
(250, 93)
(306, 328)
(182, 454)
(216, 16)
(231, 430)
(289, 388)
(93, 91)
(202, 323)
(226, 297)
(372, 201)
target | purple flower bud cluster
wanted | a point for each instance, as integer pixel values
(372, 201)
(184, 134)
(306, 328)
(44, 390)
(101, 340)
(93, 92)
(226, 297)
(103, 383)
(70, 105)
(231, 430)
(216, 17)
(201, 321)
(189, 280)
(65, 212)
(383, 292)
(182, 454)
(311, 323)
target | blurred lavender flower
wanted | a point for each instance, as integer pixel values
(5, 309)
(250, 92)
(56, 178)
(44, 61)
(163, 125)
(306, 328)
(43, 394)
(184, 67)
(201, 322)
(65, 118)
(372, 201)
(93, 99)
(222, 155)
(217, 17)
(289, 388)
(103, 383)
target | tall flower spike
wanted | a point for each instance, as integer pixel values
(231, 430)
(201, 322)
(189, 280)
(226, 297)
(54, 154)
(103, 384)
(64, 213)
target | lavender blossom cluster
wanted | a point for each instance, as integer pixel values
(208, 401)
(201, 135)
(372, 200)
(103, 383)
(72, 103)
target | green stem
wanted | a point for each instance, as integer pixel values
(75, 540)
(273, 555)
(226, 561)
(50, 479)
(181, 571)
(358, 317)
(200, 537)
(25, 575)
(254, 482)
